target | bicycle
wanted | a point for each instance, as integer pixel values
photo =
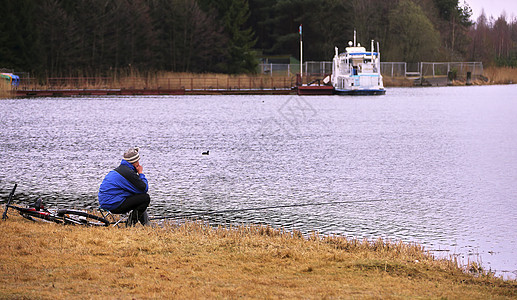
(59, 216)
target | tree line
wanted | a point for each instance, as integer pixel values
(104, 37)
(494, 41)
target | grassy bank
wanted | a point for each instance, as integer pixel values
(194, 261)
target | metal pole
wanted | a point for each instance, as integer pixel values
(301, 59)
(301, 54)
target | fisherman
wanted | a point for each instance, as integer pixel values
(125, 188)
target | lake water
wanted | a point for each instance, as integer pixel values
(442, 161)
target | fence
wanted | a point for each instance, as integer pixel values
(432, 69)
(271, 77)
(309, 67)
(214, 83)
(388, 69)
(318, 67)
(394, 69)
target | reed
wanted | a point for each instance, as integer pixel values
(397, 82)
(191, 260)
(167, 80)
(5, 89)
(501, 75)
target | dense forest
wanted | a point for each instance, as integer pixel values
(92, 37)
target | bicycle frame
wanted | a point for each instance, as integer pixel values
(4, 216)
(60, 216)
(30, 212)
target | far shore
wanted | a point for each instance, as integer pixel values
(166, 83)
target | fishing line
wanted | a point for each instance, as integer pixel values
(264, 208)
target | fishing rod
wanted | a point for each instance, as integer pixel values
(264, 208)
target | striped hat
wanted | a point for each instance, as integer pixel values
(131, 155)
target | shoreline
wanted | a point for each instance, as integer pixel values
(316, 90)
(221, 84)
(192, 260)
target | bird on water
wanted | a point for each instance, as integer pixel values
(207, 152)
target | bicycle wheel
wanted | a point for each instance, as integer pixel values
(35, 215)
(79, 217)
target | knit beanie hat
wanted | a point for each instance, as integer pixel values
(131, 155)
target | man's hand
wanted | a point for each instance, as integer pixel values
(139, 168)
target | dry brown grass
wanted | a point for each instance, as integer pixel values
(501, 75)
(397, 82)
(208, 81)
(167, 80)
(5, 89)
(221, 81)
(195, 261)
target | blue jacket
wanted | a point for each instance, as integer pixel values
(119, 184)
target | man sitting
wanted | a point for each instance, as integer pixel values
(124, 189)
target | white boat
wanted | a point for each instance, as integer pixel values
(357, 71)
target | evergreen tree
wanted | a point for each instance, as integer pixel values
(454, 22)
(7, 34)
(233, 15)
(19, 39)
(326, 24)
(189, 39)
(370, 19)
(261, 16)
(95, 37)
(58, 30)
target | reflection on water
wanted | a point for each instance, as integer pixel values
(443, 159)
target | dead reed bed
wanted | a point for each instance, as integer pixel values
(213, 82)
(166, 81)
(397, 82)
(501, 75)
(192, 260)
(5, 90)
